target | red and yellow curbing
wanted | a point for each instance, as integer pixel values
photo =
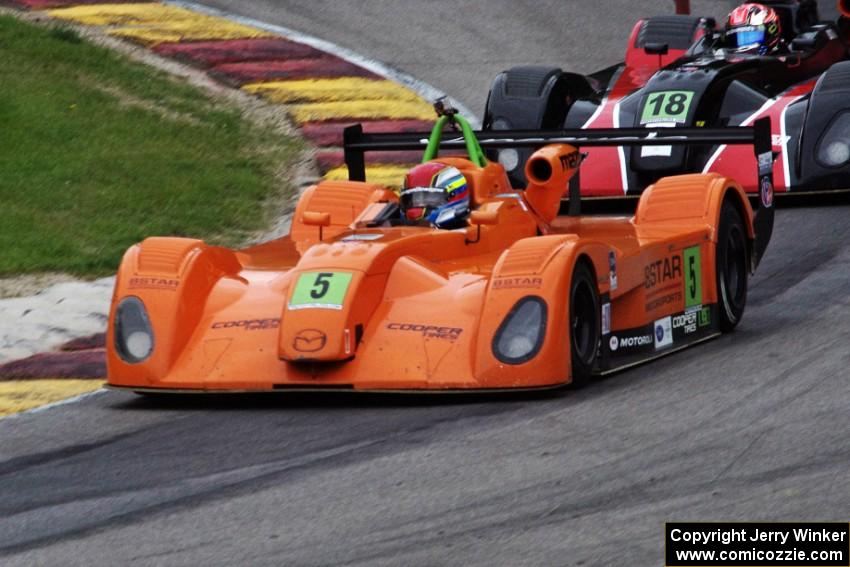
(152, 22)
(242, 73)
(46, 4)
(77, 367)
(78, 364)
(336, 89)
(22, 395)
(208, 54)
(387, 175)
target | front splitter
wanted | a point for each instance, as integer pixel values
(333, 388)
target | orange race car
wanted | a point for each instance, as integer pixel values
(459, 283)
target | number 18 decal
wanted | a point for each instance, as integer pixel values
(667, 106)
(320, 290)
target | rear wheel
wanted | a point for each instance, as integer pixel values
(584, 324)
(529, 98)
(731, 272)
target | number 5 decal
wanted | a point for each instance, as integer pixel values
(320, 290)
(321, 285)
(693, 277)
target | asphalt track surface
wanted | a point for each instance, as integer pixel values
(751, 426)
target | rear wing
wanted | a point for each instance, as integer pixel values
(357, 143)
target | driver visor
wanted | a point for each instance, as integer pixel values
(423, 197)
(748, 36)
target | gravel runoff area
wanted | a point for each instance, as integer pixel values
(52, 317)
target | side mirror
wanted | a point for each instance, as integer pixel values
(479, 218)
(316, 219)
(656, 49)
(487, 218)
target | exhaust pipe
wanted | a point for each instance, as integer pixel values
(553, 165)
(549, 171)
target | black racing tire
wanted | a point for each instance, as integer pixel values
(585, 324)
(529, 98)
(732, 268)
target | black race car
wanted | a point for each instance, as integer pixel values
(680, 71)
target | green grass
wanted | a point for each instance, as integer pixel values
(98, 152)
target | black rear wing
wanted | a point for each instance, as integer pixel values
(357, 143)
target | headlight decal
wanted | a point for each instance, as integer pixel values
(520, 336)
(833, 149)
(134, 340)
(509, 158)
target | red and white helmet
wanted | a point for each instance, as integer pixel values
(753, 28)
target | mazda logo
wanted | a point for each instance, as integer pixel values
(309, 340)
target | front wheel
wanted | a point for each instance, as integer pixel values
(584, 324)
(731, 272)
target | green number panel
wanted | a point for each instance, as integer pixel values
(320, 290)
(693, 277)
(667, 106)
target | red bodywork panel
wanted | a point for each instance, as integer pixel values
(597, 177)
